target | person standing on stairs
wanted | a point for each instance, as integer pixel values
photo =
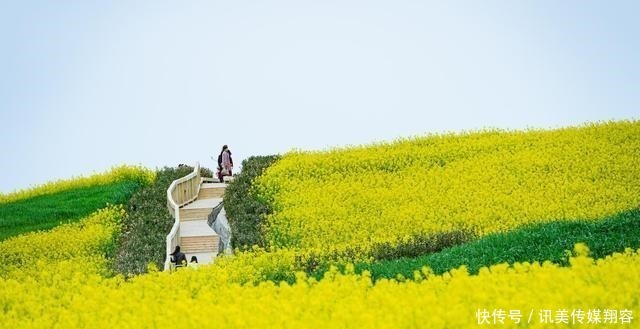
(225, 163)
(219, 172)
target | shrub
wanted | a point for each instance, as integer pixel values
(420, 244)
(147, 224)
(245, 210)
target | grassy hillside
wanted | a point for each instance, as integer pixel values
(116, 174)
(85, 246)
(142, 192)
(511, 262)
(535, 243)
(61, 278)
(52, 204)
(354, 199)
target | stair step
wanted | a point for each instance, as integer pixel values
(194, 249)
(207, 243)
(203, 257)
(195, 228)
(211, 185)
(211, 192)
(198, 213)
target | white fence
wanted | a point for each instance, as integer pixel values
(180, 192)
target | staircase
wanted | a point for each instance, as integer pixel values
(197, 238)
(190, 201)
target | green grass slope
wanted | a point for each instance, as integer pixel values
(44, 212)
(526, 196)
(535, 243)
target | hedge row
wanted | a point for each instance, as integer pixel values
(147, 224)
(244, 210)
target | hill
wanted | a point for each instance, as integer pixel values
(574, 263)
(51, 204)
(448, 189)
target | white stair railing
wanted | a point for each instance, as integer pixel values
(180, 192)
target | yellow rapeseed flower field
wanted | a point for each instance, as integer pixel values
(65, 296)
(80, 246)
(487, 181)
(484, 182)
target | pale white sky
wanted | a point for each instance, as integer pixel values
(86, 85)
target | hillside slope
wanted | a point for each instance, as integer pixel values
(51, 204)
(479, 182)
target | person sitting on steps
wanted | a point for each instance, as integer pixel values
(194, 262)
(178, 258)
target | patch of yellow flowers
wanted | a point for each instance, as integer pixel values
(116, 174)
(66, 250)
(71, 294)
(486, 181)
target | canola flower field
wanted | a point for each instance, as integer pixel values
(62, 278)
(482, 182)
(69, 291)
(80, 245)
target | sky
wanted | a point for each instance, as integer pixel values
(88, 85)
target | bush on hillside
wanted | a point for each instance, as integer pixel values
(147, 224)
(245, 211)
(420, 244)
